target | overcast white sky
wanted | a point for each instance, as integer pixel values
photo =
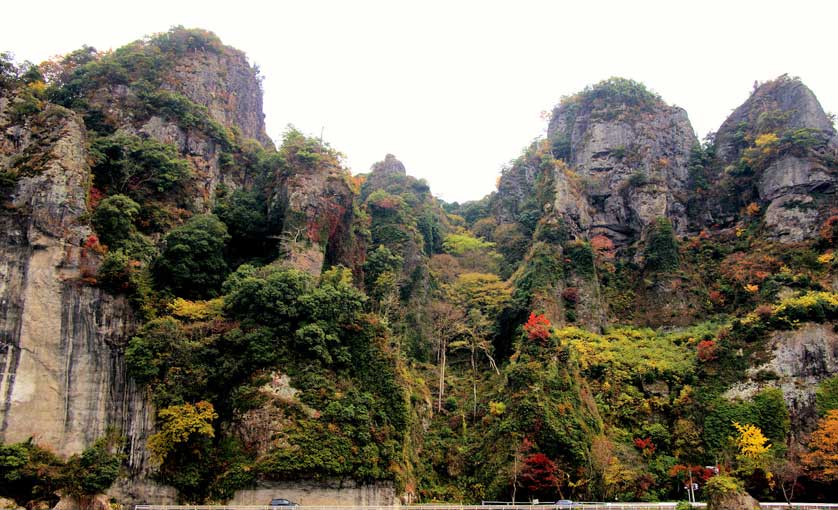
(455, 88)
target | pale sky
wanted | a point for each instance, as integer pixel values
(455, 88)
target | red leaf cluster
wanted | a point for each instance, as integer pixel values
(646, 446)
(537, 327)
(539, 474)
(707, 350)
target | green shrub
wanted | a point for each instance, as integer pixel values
(721, 485)
(826, 397)
(579, 258)
(137, 167)
(94, 471)
(113, 220)
(192, 261)
(662, 248)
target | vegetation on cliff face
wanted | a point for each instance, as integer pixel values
(510, 348)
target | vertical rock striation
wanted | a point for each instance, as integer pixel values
(62, 375)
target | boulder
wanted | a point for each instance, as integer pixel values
(733, 501)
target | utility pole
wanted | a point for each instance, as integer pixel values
(692, 487)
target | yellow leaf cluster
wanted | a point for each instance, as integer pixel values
(177, 425)
(766, 141)
(751, 441)
(196, 310)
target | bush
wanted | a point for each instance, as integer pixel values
(721, 485)
(137, 167)
(114, 219)
(94, 471)
(192, 261)
(662, 247)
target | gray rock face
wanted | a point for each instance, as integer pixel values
(633, 166)
(800, 359)
(790, 174)
(227, 85)
(792, 218)
(795, 103)
(64, 381)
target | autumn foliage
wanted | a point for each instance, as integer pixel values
(539, 474)
(707, 350)
(822, 460)
(646, 446)
(537, 327)
(748, 268)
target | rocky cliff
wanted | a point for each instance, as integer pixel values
(64, 382)
(312, 203)
(64, 330)
(520, 318)
(631, 151)
(778, 150)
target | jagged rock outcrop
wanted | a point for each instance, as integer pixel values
(207, 99)
(313, 206)
(222, 80)
(630, 151)
(783, 146)
(799, 360)
(784, 103)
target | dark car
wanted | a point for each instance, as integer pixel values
(282, 503)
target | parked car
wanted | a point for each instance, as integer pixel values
(282, 504)
(564, 503)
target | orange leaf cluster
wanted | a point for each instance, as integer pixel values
(537, 327)
(822, 460)
(707, 350)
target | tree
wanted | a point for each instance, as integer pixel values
(537, 327)
(447, 320)
(787, 471)
(381, 277)
(114, 219)
(754, 456)
(662, 247)
(246, 215)
(94, 471)
(29, 472)
(135, 166)
(179, 425)
(822, 461)
(539, 475)
(476, 329)
(192, 261)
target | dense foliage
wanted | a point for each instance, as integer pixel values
(463, 352)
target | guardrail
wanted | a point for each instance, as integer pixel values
(510, 506)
